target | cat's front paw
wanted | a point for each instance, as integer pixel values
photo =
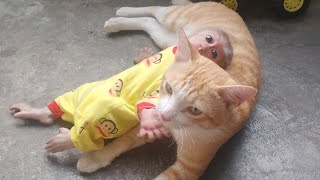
(112, 25)
(90, 162)
(162, 177)
(124, 11)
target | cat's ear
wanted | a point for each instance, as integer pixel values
(235, 95)
(185, 51)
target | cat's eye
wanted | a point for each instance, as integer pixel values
(168, 88)
(209, 39)
(214, 53)
(194, 111)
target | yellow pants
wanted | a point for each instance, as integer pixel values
(95, 115)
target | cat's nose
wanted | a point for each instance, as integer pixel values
(164, 117)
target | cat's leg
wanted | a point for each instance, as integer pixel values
(170, 18)
(194, 153)
(94, 160)
(160, 34)
(181, 2)
(150, 11)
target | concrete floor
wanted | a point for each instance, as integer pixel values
(48, 47)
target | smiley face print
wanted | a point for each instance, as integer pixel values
(106, 127)
(154, 94)
(115, 90)
(155, 59)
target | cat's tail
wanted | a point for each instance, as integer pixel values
(181, 2)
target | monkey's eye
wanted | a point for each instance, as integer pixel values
(168, 88)
(209, 39)
(214, 53)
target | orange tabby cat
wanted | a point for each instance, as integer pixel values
(200, 103)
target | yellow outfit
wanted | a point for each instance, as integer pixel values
(110, 108)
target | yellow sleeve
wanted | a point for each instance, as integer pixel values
(149, 102)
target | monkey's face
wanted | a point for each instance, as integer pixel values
(116, 89)
(209, 44)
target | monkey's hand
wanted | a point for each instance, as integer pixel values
(60, 142)
(150, 125)
(144, 53)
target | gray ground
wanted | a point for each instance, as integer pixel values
(48, 47)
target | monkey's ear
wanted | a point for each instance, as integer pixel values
(102, 120)
(114, 131)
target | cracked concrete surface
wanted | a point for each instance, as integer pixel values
(48, 47)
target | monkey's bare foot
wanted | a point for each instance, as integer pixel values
(143, 54)
(25, 111)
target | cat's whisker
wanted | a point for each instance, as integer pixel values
(182, 139)
(175, 155)
(187, 134)
(173, 141)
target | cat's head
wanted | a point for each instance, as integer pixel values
(197, 92)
